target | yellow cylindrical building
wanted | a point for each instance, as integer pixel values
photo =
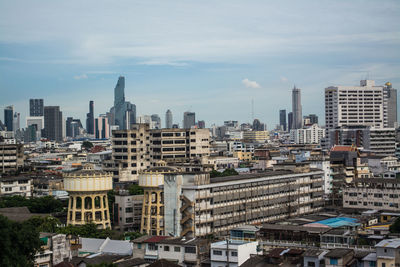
(88, 202)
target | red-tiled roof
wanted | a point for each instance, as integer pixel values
(344, 148)
(155, 239)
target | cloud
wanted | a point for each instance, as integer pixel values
(80, 77)
(163, 62)
(284, 79)
(250, 84)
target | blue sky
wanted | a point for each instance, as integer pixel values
(211, 57)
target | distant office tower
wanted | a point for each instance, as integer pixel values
(124, 112)
(36, 107)
(34, 124)
(68, 127)
(175, 126)
(390, 106)
(53, 124)
(156, 121)
(8, 117)
(282, 119)
(310, 120)
(290, 121)
(168, 119)
(296, 108)
(73, 127)
(189, 119)
(90, 119)
(201, 124)
(102, 128)
(364, 105)
(16, 121)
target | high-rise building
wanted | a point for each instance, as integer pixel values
(310, 119)
(102, 128)
(90, 119)
(124, 112)
(8, 117)
(282, 119)
(290, 121)
(156, 121)
(36, 107)
(362, 105)
(53, 123)
(34, 124)
(296, 109)
(168, 119)
(201, 124)
(390, 106)
(189, 119)
(16, 121)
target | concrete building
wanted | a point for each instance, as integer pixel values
(372, 193)
(255, 136)
(53, 123)
(310, 119)
(16, 121)
(387, 253)
(290, 121)
(282, 119)
(128, 212)
(36, 108)
(231, 253)
(168, 119)
(364, 105)
(90, 118)
(309, 135)
(156, 120)
(189, 120)
(37, 123)
(381, 141)
(101, 127)
(88, 201)
(8, 118)
(16, 186)
(192, 204)
(296, 108)
(11, 157)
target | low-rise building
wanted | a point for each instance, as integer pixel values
(11, 157)
(231, 253)
(387, 253)
(128, 212)
(17, 185)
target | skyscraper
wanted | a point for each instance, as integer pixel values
(282, 119)
(102, 128)
(156, 120)
(296, 108)
(16, 121)
(168, 119)
(90, 119)
(189, 119)
(201, 124)
(8, 117)
(53, 124)
(36, 107)
(124, 112)
(290, 121)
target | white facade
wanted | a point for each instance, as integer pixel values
(236, 253)
(354, 105)
(21, 186)
(309, 135)
(324, 165)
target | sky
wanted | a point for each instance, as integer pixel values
(210, 57)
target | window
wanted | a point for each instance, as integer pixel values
(234, 253)
(311, 264)
(177, 249)
(383, 264)
(128, 209)
(372, 264)
(129, 220)
(139, 246)
(190, 250)
(152, 246)
(216, 252)
(333, 261)
(166, 248)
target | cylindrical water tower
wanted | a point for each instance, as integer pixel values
(88, 203)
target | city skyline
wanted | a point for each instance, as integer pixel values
(208, 72)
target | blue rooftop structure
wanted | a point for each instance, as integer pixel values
(339, 222)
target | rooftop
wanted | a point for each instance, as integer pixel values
(389, 243)
(338, 252)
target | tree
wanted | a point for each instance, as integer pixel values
(135, 189)
(19, 243)
(226, 172)
(133, 235)
(87, 230)
(47, 204)
(47, 224)
(395, 227)
(87, 145)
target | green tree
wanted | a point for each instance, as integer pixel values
(19, 243)
(135, 189)
(47, 224)
(133, 235)
(395, 227)
(87, 230)
(47, 204)
(87, 145)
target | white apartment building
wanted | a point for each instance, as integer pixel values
(309, 135)
(12, 186)
(356, 105)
